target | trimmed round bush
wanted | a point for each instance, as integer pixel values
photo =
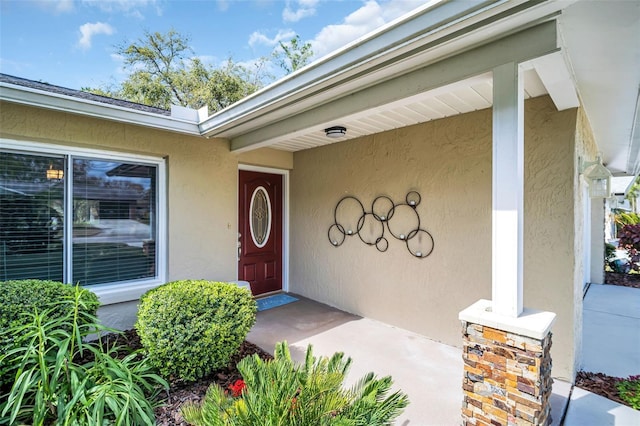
(191, 328)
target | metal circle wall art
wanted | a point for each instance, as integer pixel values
(400, 220)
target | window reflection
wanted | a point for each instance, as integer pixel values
(31, 217)
(113, 227)
(114, 219)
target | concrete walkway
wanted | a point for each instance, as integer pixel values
(611, 345)
(429, 372)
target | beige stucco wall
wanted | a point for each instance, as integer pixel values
(267, 157)
(449, 162)
(201, 190)
(549, 246)
(589, 214)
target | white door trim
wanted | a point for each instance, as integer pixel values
(285, 215)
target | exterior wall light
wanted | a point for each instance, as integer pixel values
(335, 132)
(599, 178)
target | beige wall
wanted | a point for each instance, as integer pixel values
(549, 247)
(449, 162)
(267, 157)
(585, 149)
(202, 177)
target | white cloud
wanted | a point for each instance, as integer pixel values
(258, 38)
(372, 15)
(206, 59)
(57, 6)
(296, 10)
(88, 30)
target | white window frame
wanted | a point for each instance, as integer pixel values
(113, 292)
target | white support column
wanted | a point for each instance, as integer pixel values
(508, 190)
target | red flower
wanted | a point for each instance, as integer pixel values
(237, 387)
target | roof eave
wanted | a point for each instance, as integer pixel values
(424, 27)
(57, 102)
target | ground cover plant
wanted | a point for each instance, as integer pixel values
(190, 328)
(624, 391)
(280, 392)
(57, 377)
(629, 390)
(20, 297)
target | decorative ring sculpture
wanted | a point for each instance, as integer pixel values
(402, 222)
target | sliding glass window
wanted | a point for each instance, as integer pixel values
(109, 207)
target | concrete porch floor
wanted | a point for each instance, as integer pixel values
(429, 372)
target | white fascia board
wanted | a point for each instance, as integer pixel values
(355, 59)
(523, 46)
(53, 101)
(554, 73)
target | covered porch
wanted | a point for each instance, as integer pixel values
(431, 372)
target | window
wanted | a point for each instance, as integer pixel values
(79, 217)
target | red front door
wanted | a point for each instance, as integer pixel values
(260, 231)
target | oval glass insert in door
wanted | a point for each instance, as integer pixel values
(260, 217)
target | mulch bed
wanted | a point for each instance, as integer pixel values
(626, 280)
(600, 384)
(168, 414)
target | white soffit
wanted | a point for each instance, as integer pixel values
(602, 41)
(462, 97)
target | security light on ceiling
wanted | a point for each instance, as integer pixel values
(599, 178)
(335, 132)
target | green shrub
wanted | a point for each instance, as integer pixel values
(629, 390)
(626, 218)
(20, 298)
(23, 296)
(60, 379)
(629, 240)
(191, 328)
(279, 392)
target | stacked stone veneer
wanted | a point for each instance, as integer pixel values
(507, 377)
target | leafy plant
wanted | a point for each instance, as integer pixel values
(59, 377)
(22, 297)
(622, 218)
(629, 239)
(629, 390)
(612, 264)
(190, 328)
(279, 392)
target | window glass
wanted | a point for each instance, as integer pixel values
(260, 212)
(113, 221)
(31, 216)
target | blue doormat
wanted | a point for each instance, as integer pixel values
(274, 301)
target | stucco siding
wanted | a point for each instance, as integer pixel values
(549, 246)
(267, 157)
(201, 174)
(448, 162)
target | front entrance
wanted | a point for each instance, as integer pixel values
(260, 231)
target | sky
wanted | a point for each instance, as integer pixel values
(72, 43)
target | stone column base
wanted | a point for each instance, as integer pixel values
(507, 368)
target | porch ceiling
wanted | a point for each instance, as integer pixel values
(461, 97)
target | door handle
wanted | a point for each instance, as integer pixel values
(239, 247)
